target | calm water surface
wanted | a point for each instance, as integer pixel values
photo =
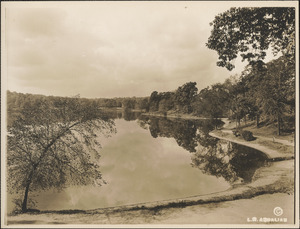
(151, 159)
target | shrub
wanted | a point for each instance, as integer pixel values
(248, 135)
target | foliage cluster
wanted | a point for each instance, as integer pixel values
(15, 101)
(250, 32)
(181, 99)
(54, 142)
(263, 89)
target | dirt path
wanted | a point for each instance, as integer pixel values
(226, 129)
(272, 154)
(273, 139)
(256, 144)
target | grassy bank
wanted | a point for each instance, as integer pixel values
(264, 129)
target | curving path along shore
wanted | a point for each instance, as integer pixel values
(226, 134)
(272, 154)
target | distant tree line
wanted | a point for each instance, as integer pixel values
(137, 103)
(179, 100)
(16, 101)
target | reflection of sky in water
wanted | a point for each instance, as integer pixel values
(137, 168)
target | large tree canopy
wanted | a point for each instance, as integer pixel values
(250, 32)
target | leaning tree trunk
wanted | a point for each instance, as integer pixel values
(24, 204)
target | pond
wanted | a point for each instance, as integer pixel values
(152, 159)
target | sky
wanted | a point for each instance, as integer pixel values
(110, 49)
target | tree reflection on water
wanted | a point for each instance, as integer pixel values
(234, 162)
(126, 114)
(229, 160)
(184, 132)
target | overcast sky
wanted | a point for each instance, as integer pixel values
(110, 49)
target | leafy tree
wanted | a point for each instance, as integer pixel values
(110, 103)
(129, 103)
(278, 90)
(267, 90)
(251, 80)
(212, 102)
(54, 144)
(142, 103)
(166, 102)
(240, 104)
(154, 101)
(184, 96)
(181, 99)
(250, 32)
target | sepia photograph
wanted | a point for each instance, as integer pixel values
(160, 114)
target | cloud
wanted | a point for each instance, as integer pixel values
(36, 22)
(109, 50)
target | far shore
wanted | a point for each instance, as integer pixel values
(173, 115)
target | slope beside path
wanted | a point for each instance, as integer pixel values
(273, 147)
